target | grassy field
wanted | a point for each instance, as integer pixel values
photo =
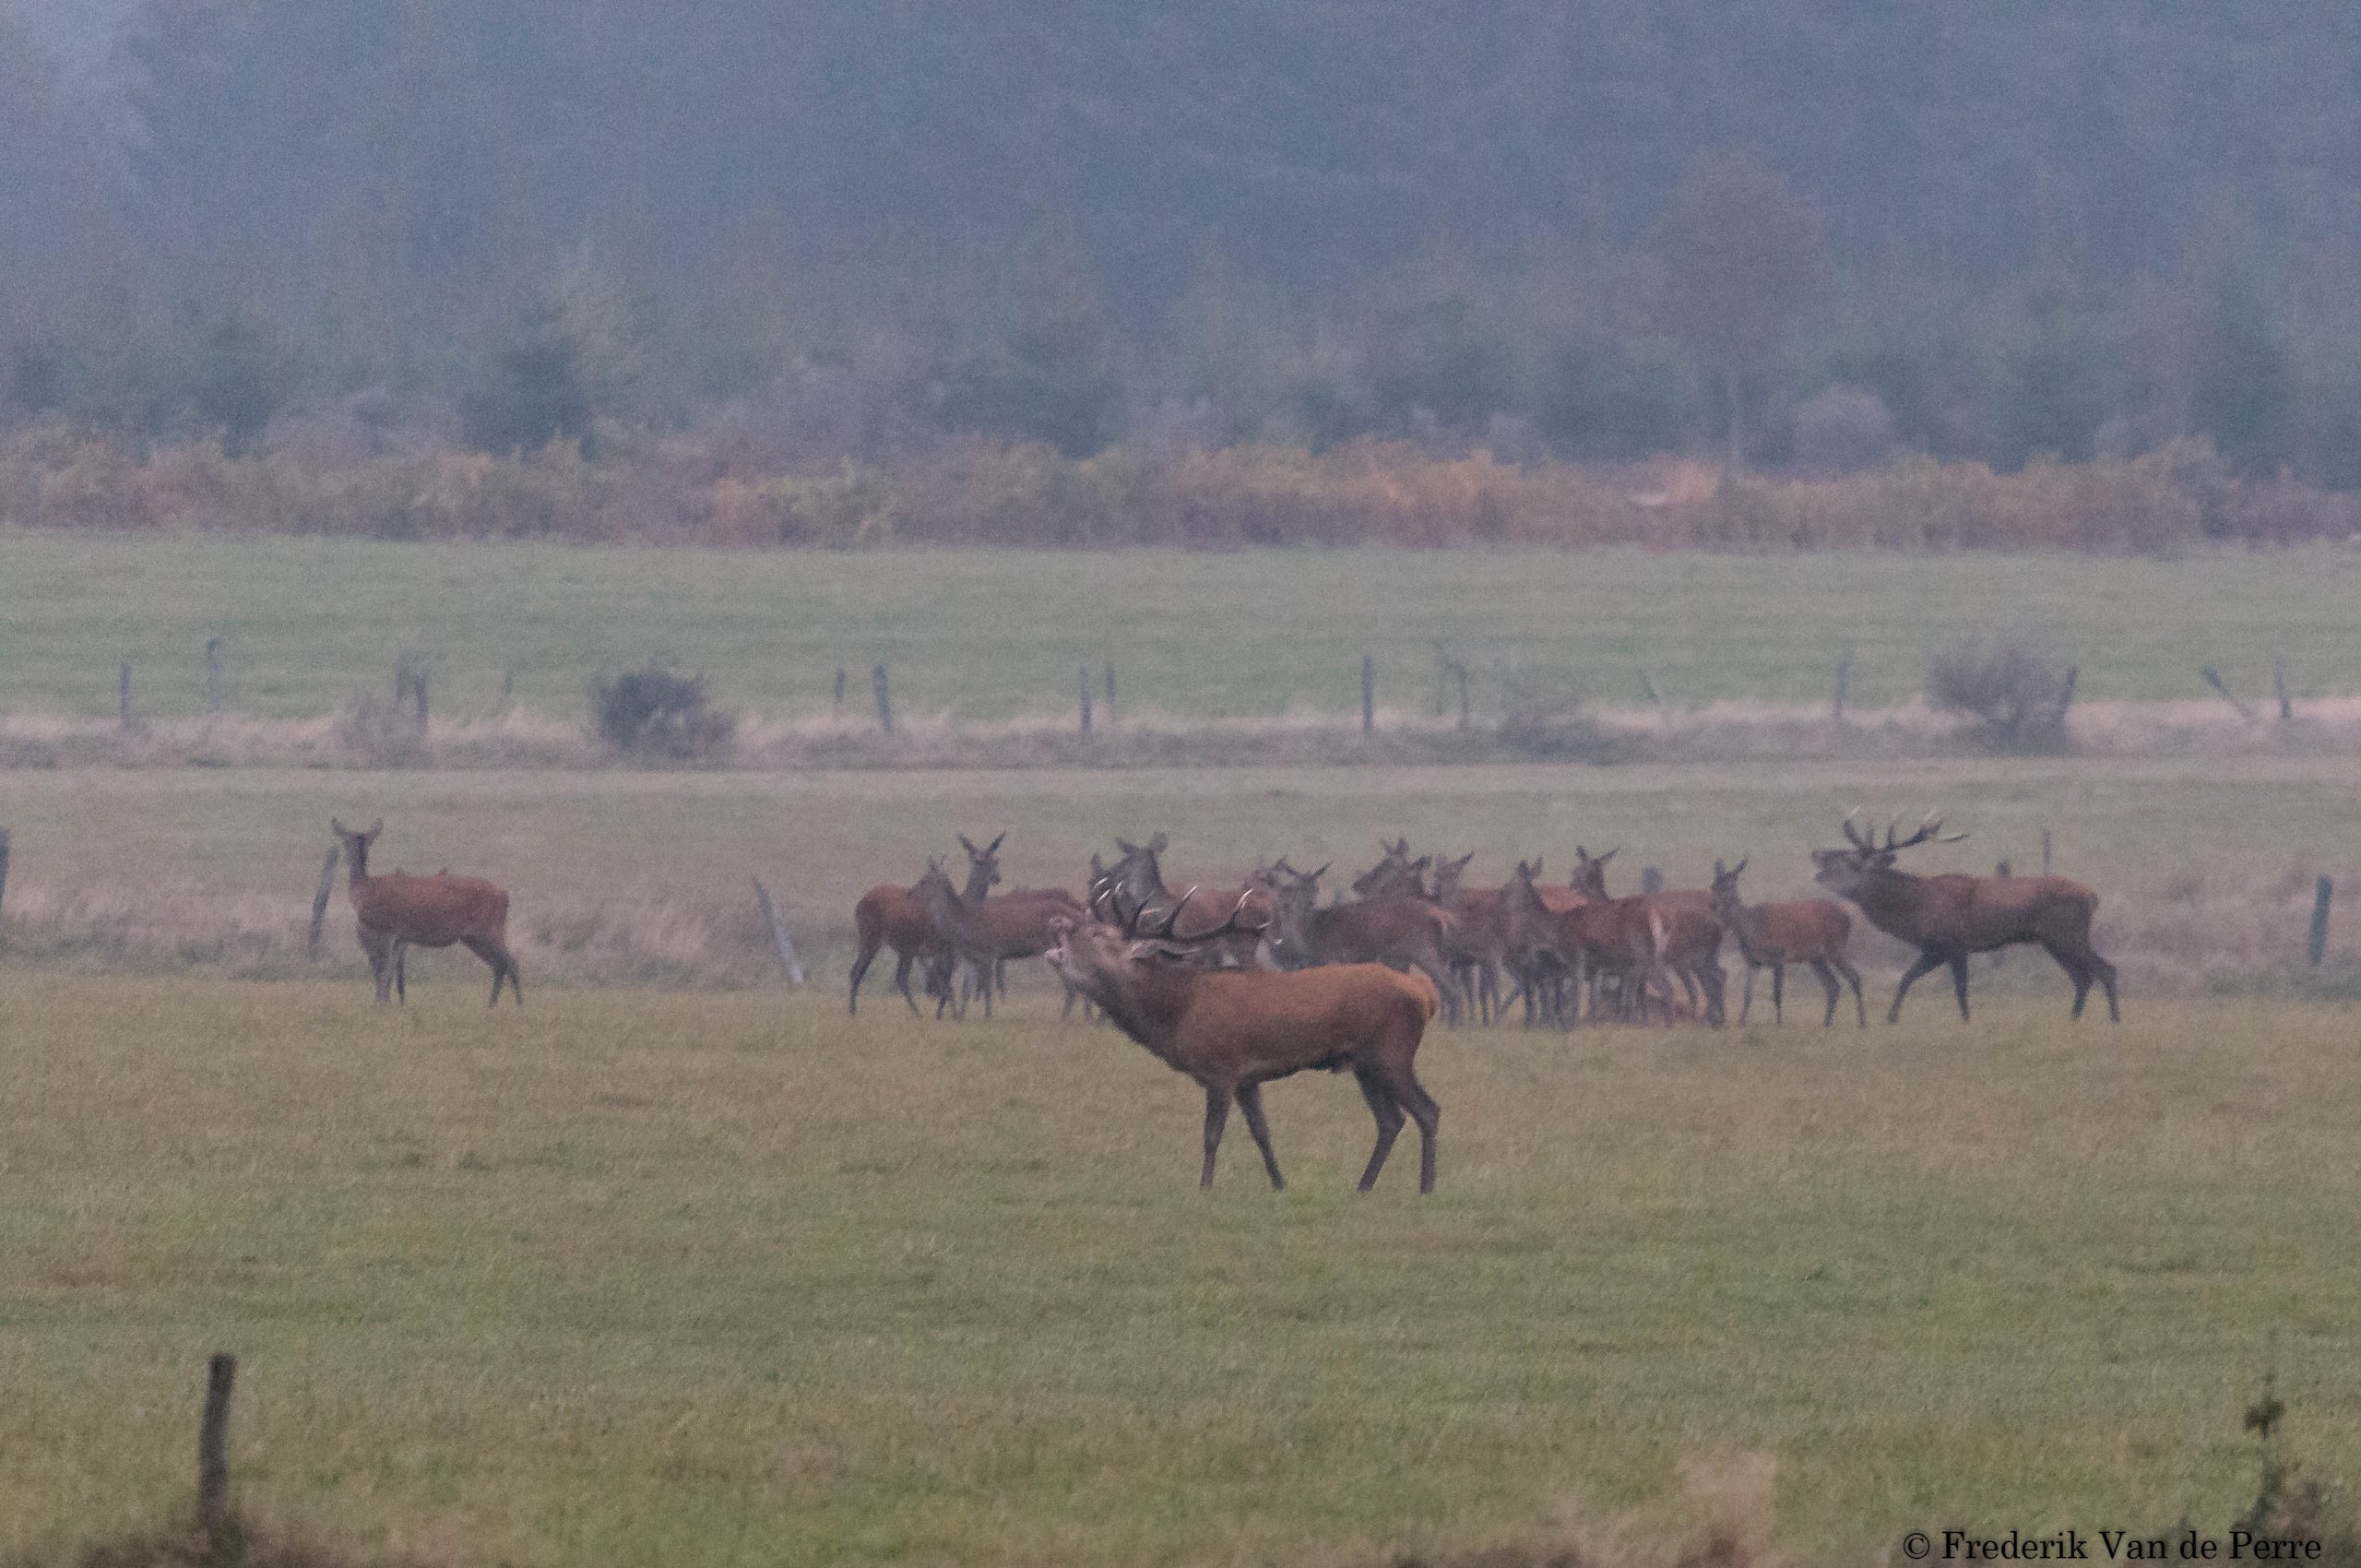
(992, 633)
(2203, 862)
(632, 1277)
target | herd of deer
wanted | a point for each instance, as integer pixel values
(1235, 986)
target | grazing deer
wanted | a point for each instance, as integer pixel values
(1395, 876)
(1801, 930)
(398, 911)
(1402, 933)
(987, 930)
(1234, 1031)
(1135, 886)
(1950, 916)
(888, 913)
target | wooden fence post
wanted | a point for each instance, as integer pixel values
(214, 697)
(786, 949)
(1648, 688)
(1368, 693)
(507, 690)
(2324, 891)
(213, 1444)
(123, 694)
(2278, 684)
(840, 688)
(1110, 693)
(885, 699)
(1085, 702)
(410, 685)
(4, 884)
(320, 899)
(1466, 716)
(2213, 679)
(1844, 685)
(2045, 851)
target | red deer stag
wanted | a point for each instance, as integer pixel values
(1234, 1031)
(888, 913)
(398, 911)
(1402, 933)
(1801, 930)
(986, 932)
(1949, 917)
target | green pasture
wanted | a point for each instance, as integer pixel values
(628, 1278)
(305, 623)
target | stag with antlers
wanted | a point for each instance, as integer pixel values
(1234, 1031)
(1950, 916)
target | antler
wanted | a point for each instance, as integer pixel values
(1930, 832)
(1854, 836)
(1165, 932)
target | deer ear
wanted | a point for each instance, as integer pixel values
(995, 845)
(1741, 865)
(337, 827)
(1720, 870)
(375, 828)
(967, 844)
(1155, 844)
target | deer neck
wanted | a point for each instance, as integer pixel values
(1741, 921)
(979, 885)
(356, 869)
(1891, 900)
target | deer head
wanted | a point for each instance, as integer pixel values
(356, 844)
(1590, 871)
(1848, 871)
(1726, 899)
(1449, 874)
(983, 865)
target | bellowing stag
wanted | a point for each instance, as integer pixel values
(1950, 916)
(1801, 931)
(1234, 1031)
(398, 911)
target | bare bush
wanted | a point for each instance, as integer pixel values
(654, 713)
(2011, 688)
(1545, 721)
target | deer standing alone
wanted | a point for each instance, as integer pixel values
(398, 911)
(1950, 916)
(1234, 1031)
(1799, 931)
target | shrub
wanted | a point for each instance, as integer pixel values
(1545, 721)
(654, 713)
(2010, 689)
(1843, 430)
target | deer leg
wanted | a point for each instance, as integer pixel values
(1778, 995)
(381, 965)
(1852, 977)
(984, 967)
(902, 962)
(861, 963)
(1218, 1098)
(1828, 983)
(1926, 963)
(401, 974)
(1249, 1100)
(1423, 1109)
(1746, 997)
(492, 954)
(2105, 971)
(1388, 1111)
(1959, 982)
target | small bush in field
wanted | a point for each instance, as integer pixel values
(1547, 722)
(2012, 691)
(655, 714)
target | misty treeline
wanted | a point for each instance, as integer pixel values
(1803, 234)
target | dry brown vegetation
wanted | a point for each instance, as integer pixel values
(369, 733)
(724, 486)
